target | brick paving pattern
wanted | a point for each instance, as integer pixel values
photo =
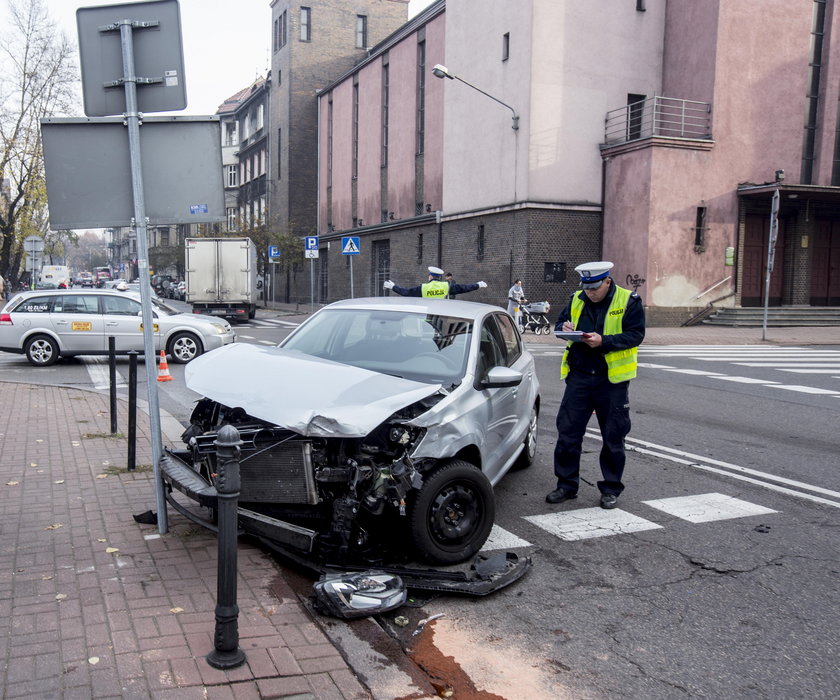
(95, 605)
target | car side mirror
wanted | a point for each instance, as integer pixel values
(499, 377)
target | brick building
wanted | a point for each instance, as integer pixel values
(649, 133)
(310, 46)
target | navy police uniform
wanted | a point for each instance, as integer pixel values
(597, 379)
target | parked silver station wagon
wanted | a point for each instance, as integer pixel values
(48, 324)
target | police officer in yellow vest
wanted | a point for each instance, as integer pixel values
(597, 367)
(435, 288)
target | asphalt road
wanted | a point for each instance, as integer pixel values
(717, 575)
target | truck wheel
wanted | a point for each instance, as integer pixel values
(452, 514)
(41, 350)
(252, 313)
(184, 347)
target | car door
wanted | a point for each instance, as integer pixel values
(76, 320)
(123, 321)
(501, 402)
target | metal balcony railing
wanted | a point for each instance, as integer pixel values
(666, 117)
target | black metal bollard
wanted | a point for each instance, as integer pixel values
(132, 410)
(112, 375)
(227, 653)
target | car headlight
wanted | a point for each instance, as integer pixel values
(220, 329)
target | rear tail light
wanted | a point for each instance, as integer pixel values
(6, 320)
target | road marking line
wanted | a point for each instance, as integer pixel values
(696, 461)
(707, 507)
(500, 538)
(99, 373)
(699, 372)
(587, 523)
(806, 389)
(744, 380)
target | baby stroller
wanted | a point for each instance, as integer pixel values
(533, 317)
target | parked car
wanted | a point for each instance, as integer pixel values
(181, 291)
(48, 324)
(377, 429)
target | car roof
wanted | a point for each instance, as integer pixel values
(441, 307)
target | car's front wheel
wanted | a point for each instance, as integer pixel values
(452, 514)
(184, 347)
(41, 350)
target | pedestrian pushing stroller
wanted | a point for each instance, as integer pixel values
(533, 317)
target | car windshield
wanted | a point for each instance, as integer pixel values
(421, 347)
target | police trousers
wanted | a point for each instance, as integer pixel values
(584, 394)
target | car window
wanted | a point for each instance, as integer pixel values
(491, 352)
(425, 348)
(120, 306)
(75, 304)
(34, 305)
(510, 338)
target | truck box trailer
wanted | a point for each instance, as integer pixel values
(221, 276)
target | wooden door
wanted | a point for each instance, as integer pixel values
(825, 264)
(756, 236)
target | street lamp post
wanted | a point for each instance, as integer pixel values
(440, 71)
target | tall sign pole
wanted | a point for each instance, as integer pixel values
(771, 252)
(132, 120)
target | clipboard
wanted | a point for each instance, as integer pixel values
(569, 335)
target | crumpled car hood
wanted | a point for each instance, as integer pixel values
(302, 393)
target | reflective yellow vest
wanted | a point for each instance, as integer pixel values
(621, 364)
(436, 289)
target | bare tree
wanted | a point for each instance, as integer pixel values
(38, 80)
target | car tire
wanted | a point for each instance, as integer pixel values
(184, 347)
(452, 514)
(41, 350)
(252, 313)
(529, 446)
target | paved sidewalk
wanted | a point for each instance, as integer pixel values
(95, 605)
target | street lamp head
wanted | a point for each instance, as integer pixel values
(440, 71)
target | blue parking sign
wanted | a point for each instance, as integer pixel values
(312, 242)
(274, 251)
(350, 245)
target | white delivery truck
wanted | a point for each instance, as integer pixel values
(53, 276)
(221, 276)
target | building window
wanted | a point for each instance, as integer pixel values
(640, 6)
(505, 46)
(324, 274)
(260, 116)
(231, 133)
(306, 24)
(361, 31)
(279, 154)
(231, 218)
(386, 96)
(330, 143)
(164, 236)
(479, 247)
(635, 114)
(279, 77)
(245, 132)
(232, 179)
(355, 130)
(700, 230)
(282, 27)
(421, 96)
(419, 248)
(275, 34)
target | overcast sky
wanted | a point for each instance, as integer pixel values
(226, 44)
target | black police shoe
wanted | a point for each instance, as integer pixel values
(608, 501)
(559, 495)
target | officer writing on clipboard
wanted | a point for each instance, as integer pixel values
(607, 324)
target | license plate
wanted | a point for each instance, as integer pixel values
(217, 312)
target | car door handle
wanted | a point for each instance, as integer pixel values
(112, 323)
(62, 323)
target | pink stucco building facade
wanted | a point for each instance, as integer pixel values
(652, 134)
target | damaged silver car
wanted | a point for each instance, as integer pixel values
(374, 433)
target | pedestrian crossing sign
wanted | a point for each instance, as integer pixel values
(350, 245)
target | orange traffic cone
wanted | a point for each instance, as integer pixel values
(163, 370)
